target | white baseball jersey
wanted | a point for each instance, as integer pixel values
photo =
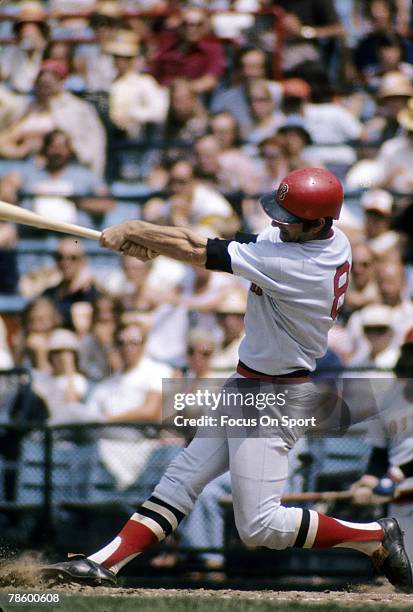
(297, 289)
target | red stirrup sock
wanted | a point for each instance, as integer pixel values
(152, 522)
(320, 531)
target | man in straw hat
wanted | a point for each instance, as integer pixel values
(134, 98)
(395, 157)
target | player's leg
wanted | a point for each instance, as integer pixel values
(258, 469)
(173, 498)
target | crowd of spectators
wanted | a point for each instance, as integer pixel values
(200, 106)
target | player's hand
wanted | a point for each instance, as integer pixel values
(114, 237)
(136, 250)
(362, 490)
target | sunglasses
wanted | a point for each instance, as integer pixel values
(203, 353)
(62, 257)
(363, 264)
(137, 342)
(376, 329)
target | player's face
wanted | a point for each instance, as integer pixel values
(289, 232)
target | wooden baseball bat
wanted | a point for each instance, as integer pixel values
(16, 214)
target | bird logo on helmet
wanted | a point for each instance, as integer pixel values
(305, 195)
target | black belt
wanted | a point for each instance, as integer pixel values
(297, 375)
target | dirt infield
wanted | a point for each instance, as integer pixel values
(23, 576)
(100, 599)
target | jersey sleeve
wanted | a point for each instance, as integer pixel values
(257, 262)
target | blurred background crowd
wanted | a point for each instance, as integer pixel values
(184, 113)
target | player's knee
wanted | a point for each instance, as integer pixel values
(266, 537)
(274, 528)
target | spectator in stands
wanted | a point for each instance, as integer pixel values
(98, 355)
(201, 350)
(253, 66)
(393, 94)
(330, 123)
(296, 93)
(76, 284)
(265, 118)
(63, 388)
(39, 319)
(226, 170)
(363, 288)
(295, 144)
(381, 14)
(377, 205)
(53, 178)
(54, 108)
(273, 163)
(191, 203)
(395, 156)
(20, 63)
(378, 352)
(389, 59)
(128, 284)
(391, 282)
(190, 54)
(134, 395)
(64, 51)
(230, 315)
(186, 120)
(305, 22)
(96, 67)
(135, 99)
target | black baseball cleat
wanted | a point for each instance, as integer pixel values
(391, 558)
(82, 569)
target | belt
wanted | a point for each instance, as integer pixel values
(290, 377)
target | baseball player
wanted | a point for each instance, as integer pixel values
(299, 271)
(390, 467)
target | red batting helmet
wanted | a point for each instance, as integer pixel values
(305, 195)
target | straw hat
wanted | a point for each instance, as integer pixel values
(376, 315)
(395, 84)
(31, 12)
(63, 340)
(123, 44)
(378, 200)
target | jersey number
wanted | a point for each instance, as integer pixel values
(341, 280)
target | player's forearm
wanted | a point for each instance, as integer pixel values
(178, 243)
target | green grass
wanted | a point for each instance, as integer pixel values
(96, 603)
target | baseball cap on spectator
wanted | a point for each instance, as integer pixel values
(295, 123)
(63, 340)
(296, 88)
(377, 200)
(56, 66)
(376, 315)
(234, 302)
(31, 12)
(395, 84)
(405, 117)
(123, 44)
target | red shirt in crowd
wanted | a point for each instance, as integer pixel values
(177, 59)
